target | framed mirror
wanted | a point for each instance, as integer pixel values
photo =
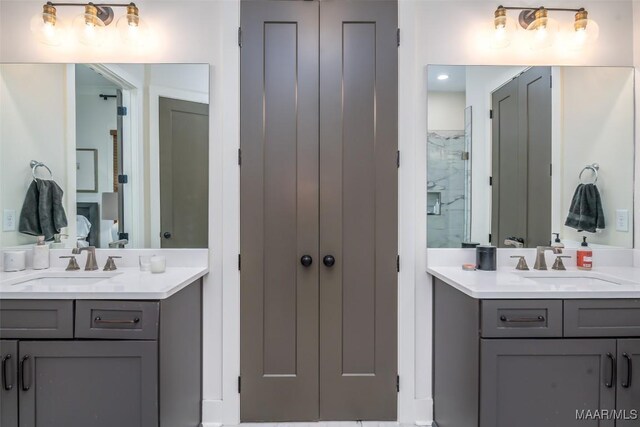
(127, 145)
(520, 156)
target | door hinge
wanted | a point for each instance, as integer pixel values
(240, 37)
(489, 237)
(490, 180)
(551, 82)
(239, 157)
(122, 111)
(398, 383)
(239, 262)
(550, 169)
(491, 114)
(123, 179)
(398, 158)
(398, 263)
(239, 384)
(398, 37)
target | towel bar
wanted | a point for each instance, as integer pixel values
(593, 168)
(35, 165)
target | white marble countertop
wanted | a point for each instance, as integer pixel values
(508, 283)
(125, 283)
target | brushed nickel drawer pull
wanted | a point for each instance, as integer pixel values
(98, 319)
(504, 318)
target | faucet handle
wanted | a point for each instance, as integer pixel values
(111, 264)
(73, 263)
(558, 264)
(522, 262)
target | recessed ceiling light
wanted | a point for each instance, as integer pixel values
(443, 76)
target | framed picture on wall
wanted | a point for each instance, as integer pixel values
(86, 170)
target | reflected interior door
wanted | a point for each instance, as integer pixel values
(521, 157)
(184, 174)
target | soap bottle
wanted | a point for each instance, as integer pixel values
(557, 243)
(57, 241)
(40, 254)
(585, 256)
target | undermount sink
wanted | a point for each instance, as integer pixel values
(561, 280)
(67, 279)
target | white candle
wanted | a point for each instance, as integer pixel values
(158, 264)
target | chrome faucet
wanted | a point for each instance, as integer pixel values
(91, 264)
(541, 263)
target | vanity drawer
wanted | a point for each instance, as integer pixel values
(602, 318)
(521, 318)
(128, 320)
(36, 319)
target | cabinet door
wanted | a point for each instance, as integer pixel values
(8, 383)
(534, 383)
(88, 383)
(628, 383)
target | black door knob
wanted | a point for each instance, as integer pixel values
(306, 260)
(166, 235)
(328, 260)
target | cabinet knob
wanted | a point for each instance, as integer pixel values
(328, 260)
(166, 235)
(306, 260)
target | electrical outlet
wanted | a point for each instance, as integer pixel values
(9, 220)
(622, 220)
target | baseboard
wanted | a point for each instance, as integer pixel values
(423, 412)
(216, 413)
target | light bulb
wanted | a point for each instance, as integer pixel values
(585, 31)
(504, 29)
(131, 28)
(89, 29)
(47, 27)
(543, 30)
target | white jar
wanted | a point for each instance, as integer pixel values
(158, 264)
(15, 261)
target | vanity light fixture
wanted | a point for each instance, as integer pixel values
(90, 26)
(542, 30)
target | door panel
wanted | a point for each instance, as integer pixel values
(535, 129)
(628, 382)
(90, 383)
(8, 383)
(184, 174)
(521, 159)
(533, 383)
(358, 210)
(279, 211)
(508, 212)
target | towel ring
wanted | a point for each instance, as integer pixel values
(35, 165)
(594, 168)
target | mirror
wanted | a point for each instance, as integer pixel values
(516, 154)
(106, 155)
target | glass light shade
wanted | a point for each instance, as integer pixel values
(89, 29)
(543, 33)
(48, 29)
(585, 32)
(504, 29)
(132, 29)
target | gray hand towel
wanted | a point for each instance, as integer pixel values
(42, 211)
(586, 213)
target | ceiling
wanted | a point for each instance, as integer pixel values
(456, 82)
(85, 76)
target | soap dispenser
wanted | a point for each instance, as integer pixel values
(557, 243)
(584, 256)
(40, 254)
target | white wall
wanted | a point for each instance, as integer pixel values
(446, 110)
(597, 127)
(28, 92)
(95, 118)
(433, 32)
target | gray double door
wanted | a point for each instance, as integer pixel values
(521, 159)
(318, 210)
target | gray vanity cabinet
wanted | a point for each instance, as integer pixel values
(535, 363)
(535, 382)
(88, 383)
(9, 387)
(628, 391)
(102, 363)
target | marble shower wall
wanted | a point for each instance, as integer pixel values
(447, 186)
